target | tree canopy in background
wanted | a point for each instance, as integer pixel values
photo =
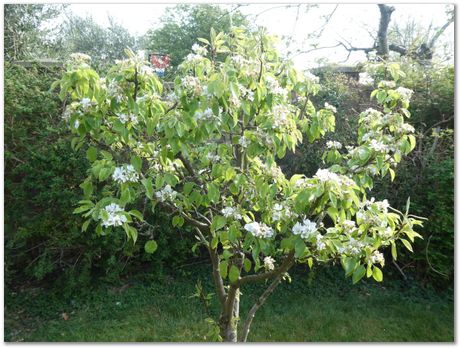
(183, 24)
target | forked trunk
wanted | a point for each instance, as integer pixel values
(229, 324)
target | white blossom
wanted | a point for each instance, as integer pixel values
(365, 79)
(349, 226)
(269, 263)
(334, 145)
(114, 217)
(231, 212)
(198, 49)
(405, 93)
(125, 174)
(407, 128)
(377, 146)
(320, 245)
(243, 141)
(167, 193)
(377, 257)
(127, 117)
(325, 175)
(309, 76)
(213, 158)
(191, 82)
(305, 229)
(330, 107)
(259, 230)
(76, 124)
(207, 114)
(387, 84)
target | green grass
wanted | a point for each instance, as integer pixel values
(325, 309)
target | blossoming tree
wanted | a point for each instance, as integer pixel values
(206, 152)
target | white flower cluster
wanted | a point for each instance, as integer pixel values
(193, 58)
(378, 146)
(114, 217)
(243, 141)
(274, 87)
(126, 118)
(205, 115)
(259, 230)
(365, 79)
(387, 84)
(269, 263)
(213, 158)
(405, 93)
(81, 59)
(238, 60)
(349, 226)
(334, 145)
(167, 193)
(309, 76)
(125, 174)
(246, 92)
(190, 82)
(198, 49)
(325, 175)
(86, 103)
(280, 113)
(377, 257)
(407, 128)
(235, 101)
(320, 245)
(115, 90)
(353, 247)
(281, 211)
(330, 107)
(386, 233)
(305, 229)
(231, 212)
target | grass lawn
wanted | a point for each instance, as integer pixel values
(314, 307)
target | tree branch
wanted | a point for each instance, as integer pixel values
(253, 278)
(260, 301)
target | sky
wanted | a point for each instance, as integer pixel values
(350, 22)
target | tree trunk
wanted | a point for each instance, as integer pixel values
(382, 35)
(229, 324)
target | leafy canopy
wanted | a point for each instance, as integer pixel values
(206, 151)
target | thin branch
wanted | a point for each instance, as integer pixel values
(253, 278)
(260, 301)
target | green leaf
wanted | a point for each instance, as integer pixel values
(223, 267)
(359, 272)
(213, 192)
(218, 222)
(348, 265)
(234, 274)
(148, 187)
(150, 247)
(137, 214)
(407, 245)
(299, 248)
(85, 225)
(247, 265)
(87, 187)
(136, 161)
(91, 154)
(177, 221)
(377, 274)
(131, 232)
(394, 253)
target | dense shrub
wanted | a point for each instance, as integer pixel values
(43, 239)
